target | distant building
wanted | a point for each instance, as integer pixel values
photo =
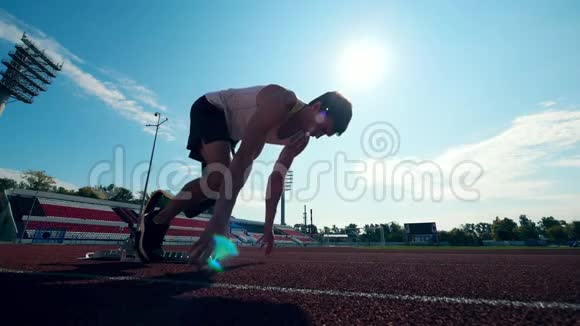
(421, 233)
(334, 238)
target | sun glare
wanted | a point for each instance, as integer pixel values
(362, 64)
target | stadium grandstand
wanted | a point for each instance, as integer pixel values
(32, 216)
(251, 231)
(296, 235)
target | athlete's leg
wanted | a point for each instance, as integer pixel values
(209, 142)
(192, 198)
(155, 224)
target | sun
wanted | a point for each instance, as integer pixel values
(362, 64)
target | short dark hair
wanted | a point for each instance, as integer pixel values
(337, 107)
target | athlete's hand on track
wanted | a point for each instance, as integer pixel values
(203, 247)
(267, 240)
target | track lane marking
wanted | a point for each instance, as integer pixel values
(274, 260)
(370, 295)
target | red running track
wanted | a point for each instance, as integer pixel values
(295, 286)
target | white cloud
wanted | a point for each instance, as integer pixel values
(130, 105)
(130, 109)
(568, 162)
(571, 197)
(142, 93)
(11, 29)
(8, 31)
(548, 104)
(17, 176)
(511, 161)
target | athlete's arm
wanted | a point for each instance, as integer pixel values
(276, 185)
(278, 175)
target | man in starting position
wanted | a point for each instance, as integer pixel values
(255, 116)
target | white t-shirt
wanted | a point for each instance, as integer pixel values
(239, 105)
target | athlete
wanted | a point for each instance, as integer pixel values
(252, 116)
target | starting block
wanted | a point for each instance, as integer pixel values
(126, 253)
(223, 247)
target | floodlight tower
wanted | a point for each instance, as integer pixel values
(286, 187)
(28, 72)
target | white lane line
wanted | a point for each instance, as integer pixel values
(274, 260)
(370, 295)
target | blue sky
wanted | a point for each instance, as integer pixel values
(489, 89)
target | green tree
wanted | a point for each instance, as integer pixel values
(6, 183)
(37, 180)
(473, 234)
(114, 193)
(123, 195)
(365, 236)
(137, 200)
(352, 230)
(371, 233)
(574, 230)
(557, 233)
(527, 229)
(459, 237)
(89, 192)
(483, 231)
(335, 229)
(469, 229)
(504, 229)
(548, 222)
(62, 190)
(395, 232)
(312, 229)
(444, 236)
(300, 228)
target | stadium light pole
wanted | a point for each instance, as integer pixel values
(159, 123)
(311, 224)
(27, 73)
(287, 187)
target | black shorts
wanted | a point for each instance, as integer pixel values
(207, 124)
